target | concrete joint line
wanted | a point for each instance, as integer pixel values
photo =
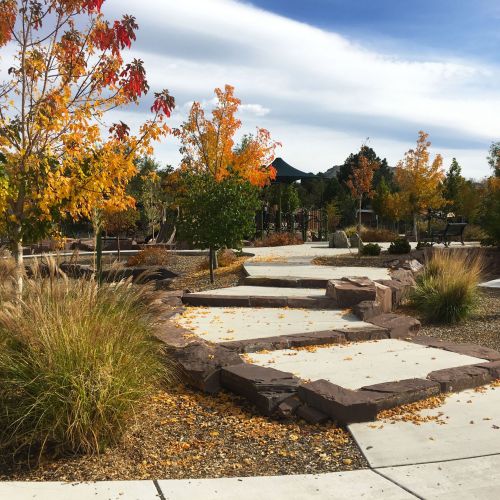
(397, 484)
(433, 461)
(161, 496)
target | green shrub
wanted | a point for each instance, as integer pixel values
(446, 290)
(75, 361)
(399, 246)
(424, 244)
(371, 249)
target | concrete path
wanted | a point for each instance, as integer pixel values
(491, 284)
(223, 324)
(454, 480)
(469, 426)
(338, 486)
(294, 270)
(363, 363)
(266, 291)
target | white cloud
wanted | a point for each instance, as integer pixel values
(318, 93)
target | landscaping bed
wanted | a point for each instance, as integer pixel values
(181, 433)
(483, 327)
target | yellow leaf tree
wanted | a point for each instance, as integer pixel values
(57, 156)
(419, 181)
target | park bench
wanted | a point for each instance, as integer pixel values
(452, 230)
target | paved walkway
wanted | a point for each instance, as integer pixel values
(454, 457)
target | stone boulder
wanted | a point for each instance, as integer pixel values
(354, 240)
(340, 240)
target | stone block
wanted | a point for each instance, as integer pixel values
(461, 378)
(384, 297)
(367, 309)
(259, 301)
(343, 405)
(402, 392)
(265, 387)
(493, 368)
(348, 292)
(365, 334)
(311, 415)
(398, 325)
(201, 364)
(201, 299)
(288, 406)
(398, 289)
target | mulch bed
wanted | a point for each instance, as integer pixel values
(195, 280)
(180, 433)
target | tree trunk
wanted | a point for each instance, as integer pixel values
(17, 251)
(211, 264)
(359, 224)
(98, 250)
(118, 246)
(415, 228)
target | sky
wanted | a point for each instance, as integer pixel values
(325, 76)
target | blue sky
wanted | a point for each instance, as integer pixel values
(457, 28)
(324, 75)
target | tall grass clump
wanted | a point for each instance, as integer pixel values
(446, 290)
(76, 358)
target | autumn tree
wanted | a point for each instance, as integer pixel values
(217, 166)
(67, 72)
(208, 145)
(360, 183)
(419, 182)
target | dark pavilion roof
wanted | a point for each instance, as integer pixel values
(287, 173)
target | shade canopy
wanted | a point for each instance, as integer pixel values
(286, 173)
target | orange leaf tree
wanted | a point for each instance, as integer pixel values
(360, 182)
(68, 71)
(208, 145)
(419, 181)
(221, 180)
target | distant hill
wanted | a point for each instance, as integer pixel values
(333, 171)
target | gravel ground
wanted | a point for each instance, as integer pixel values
(185, 434)
(195, 280)
(482, 328)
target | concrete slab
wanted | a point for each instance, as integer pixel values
(286, 270)
(338, 486)
(472, 429)
(358, 364)
(491, 284)
(454, 480)
(102, 490)
(266, 291)
(223, 324)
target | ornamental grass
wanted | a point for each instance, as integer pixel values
(446, 290)
(76, 359)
